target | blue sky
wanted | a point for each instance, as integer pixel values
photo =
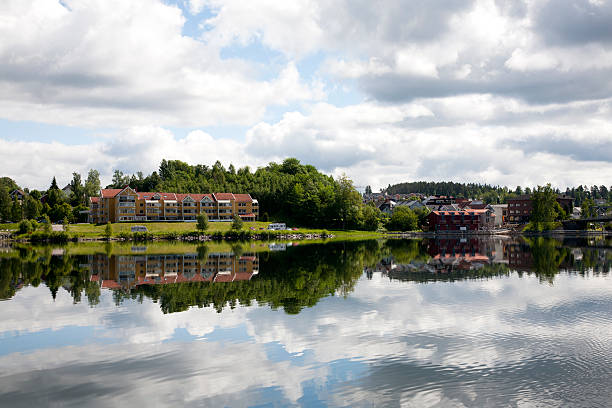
(495, 91)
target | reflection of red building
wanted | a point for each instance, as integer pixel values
(125, 272)
(457, 221)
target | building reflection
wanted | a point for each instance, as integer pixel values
(128, 271)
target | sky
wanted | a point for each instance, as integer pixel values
(515, 92)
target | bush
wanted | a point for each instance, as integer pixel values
(202, 224)
(237, 224)
(142, 236)
(108, 230)
(125, 235)
(25, 227)
(403, 219)
(53, 236)
(172, 236)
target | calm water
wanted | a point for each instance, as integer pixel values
(397, 323)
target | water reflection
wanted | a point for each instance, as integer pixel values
(294, 279)
(486, 330)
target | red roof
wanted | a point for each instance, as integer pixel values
(223, 196)
(196, 197)
(462, 212)
(150, 195)
(243, 198)
(224, 278)
(243, 276)
(111, 192)
(110, 284)
(94, 199)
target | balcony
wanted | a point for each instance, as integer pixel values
(127, 203)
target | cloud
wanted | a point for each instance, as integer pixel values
(476, 138)
(95, 63)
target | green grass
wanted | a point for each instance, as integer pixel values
(11, 226)
(162, 228)
(156, 228)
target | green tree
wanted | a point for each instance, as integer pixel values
(370, 218)
(77, 195)
(403, 219)
(587, 210)
(54, 184)
(92, 184)
(202, 222)
(16, 211)
(66, 224)
(61, 211)
(46, 224)
(348, 202)
(31, 207)
(5, 204)
(544, 208)
(25, 227)
(108, 230)
(237, 224)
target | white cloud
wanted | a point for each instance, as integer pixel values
(95, 63)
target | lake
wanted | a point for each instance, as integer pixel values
(413, 323)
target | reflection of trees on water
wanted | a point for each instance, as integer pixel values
(476, 258)
(293, 279)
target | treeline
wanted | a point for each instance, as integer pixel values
(53, 203)
(289, 191)
(493, 194)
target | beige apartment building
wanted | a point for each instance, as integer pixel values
(128, 205)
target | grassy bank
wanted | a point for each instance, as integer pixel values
(176, 230)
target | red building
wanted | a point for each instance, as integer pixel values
(520, 208)
(464, 220)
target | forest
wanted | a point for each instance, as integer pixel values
(494, 194)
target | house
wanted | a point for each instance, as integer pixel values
(439, 200)
(117, 205)
(458, 221)
(67, 190)
(387, 207)
(413, 204)
(17, 194)
(521, 207)
(501, 213)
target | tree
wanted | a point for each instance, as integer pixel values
(16, 211)
(368, 190)
(77, 195)
(92, 184)
(544, 208)
(61, 211)
(588, 208)
(31, 207)
(237, 224)
(66, 224)
(403, 219)
(370, 218)
(54, 184)
(108, 230)
(119, 179)
(47, 224)
(5, 204)
(202, 222)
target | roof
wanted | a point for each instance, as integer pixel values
(110, 192)
(94, 199)
(151, 194)
(18, 191)
(223, 196)
(243, 198)
(461, 212)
